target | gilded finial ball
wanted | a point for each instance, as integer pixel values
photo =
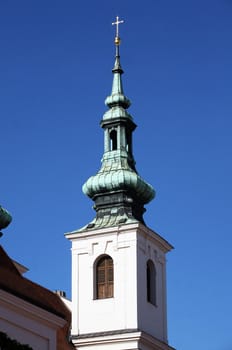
(117, 40)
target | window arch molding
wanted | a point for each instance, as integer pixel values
(103, 277)
(151, 282)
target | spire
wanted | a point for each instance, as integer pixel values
(117, 97)
(118, 191)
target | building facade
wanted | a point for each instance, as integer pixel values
(118, 263)
(31, 316)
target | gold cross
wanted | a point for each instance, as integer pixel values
(117, 23)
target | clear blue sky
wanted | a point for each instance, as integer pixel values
(55, 72)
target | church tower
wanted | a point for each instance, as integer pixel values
(118, 263)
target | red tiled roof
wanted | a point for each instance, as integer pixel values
(13, 282)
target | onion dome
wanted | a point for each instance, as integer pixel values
(5, 219)
(118, 191)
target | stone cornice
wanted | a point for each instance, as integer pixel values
(164, 245)
(120, 336)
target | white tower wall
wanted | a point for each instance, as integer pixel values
(130, 246)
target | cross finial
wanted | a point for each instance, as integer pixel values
(117, 22)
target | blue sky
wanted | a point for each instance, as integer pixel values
(55, 68)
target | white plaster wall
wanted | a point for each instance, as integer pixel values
(119, 312)
(130, 246)
(27, 323)
(152, 318)
(23, 334)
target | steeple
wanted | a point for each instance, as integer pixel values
(118, 264)
(119, 193)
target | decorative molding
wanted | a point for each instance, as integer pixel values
(106, 245)
(92, 248)
(23, 307)
(124, 336)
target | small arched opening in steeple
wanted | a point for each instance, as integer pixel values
(129, 142)
(113, 140)
(151, 282)
(104, 278)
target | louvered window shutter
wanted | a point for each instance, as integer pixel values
(105, 278)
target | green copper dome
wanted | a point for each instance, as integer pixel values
(115, 175)
(118, 191)
(5, 218)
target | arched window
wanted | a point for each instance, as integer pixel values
(151, 282)
(104, 278)
(113, 140)
(129, 142)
